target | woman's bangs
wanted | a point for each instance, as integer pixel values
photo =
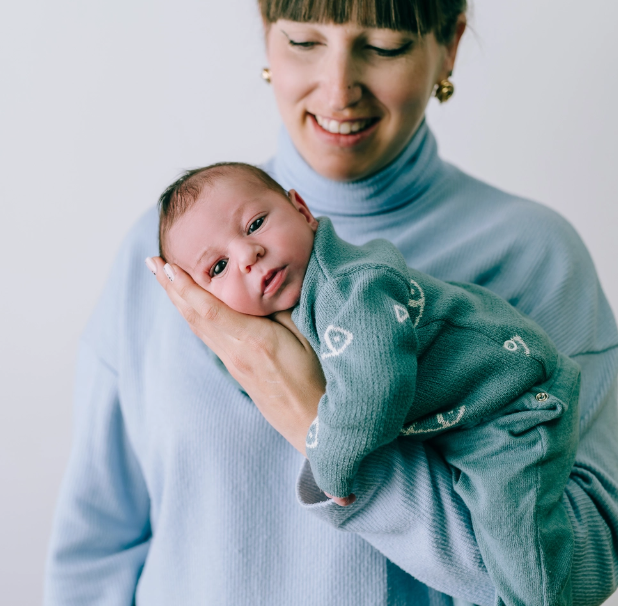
(416, 16)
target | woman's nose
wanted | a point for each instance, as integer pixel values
(340, 77)
(248, 255)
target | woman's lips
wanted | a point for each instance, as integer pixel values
(343, 127)
(333, 132)
(272, 280)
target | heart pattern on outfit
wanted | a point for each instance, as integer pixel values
(312, 434)
(402, 313)
(337, 340)
(434, 424)
(417, 301)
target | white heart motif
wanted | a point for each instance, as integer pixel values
(417, 301)
(402, 313)
(312, 434)
(452, 418)
(336, 339)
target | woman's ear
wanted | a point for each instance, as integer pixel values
(453, 46)
(301, 206)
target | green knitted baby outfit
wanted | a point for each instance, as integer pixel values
(404, 353)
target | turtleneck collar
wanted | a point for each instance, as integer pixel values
(400, 183)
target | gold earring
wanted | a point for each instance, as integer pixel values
(444, 90)
(266, 74)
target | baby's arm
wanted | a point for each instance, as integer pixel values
(368, 352)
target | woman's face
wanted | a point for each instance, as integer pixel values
(351, 97)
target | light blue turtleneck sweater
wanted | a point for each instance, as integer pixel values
(179, 492)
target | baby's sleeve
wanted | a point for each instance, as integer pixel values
(368, 349)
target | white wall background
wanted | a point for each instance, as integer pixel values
(102, 103)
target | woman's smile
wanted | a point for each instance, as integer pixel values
(344, 127)
(344, 134)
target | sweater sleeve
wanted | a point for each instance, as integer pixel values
(101, 529)
(368, 353)
(406, 506)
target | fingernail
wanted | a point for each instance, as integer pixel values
(150, 264)
(169, 272)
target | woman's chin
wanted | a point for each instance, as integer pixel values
(344, 163)
(341, 167)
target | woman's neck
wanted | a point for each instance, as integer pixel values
(400, 183)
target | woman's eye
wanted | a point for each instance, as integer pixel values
(302, 44)
(219, 267)
(391, 52)
(256, 225)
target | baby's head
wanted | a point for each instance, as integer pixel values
(239, 235)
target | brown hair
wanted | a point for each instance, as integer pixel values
(418, 16)
(181, 195)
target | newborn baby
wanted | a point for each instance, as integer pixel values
(403, 354)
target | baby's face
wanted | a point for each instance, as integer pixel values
(246, 244)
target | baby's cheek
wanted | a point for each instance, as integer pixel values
(215, 287)
(288, 299)
(202, 281)
(235, 296)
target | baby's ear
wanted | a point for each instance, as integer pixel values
(301, 206)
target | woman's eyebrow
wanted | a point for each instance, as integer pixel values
(305, 31)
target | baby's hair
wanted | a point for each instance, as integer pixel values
(181, 195)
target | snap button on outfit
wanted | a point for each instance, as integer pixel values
(541, 396)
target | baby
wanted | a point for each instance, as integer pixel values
(404, 354)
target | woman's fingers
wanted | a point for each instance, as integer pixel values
(202, 328)
(202, 310)
(157, 266)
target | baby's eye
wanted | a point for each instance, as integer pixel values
(256, 225)
(219, 267)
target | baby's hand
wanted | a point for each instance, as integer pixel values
(343, 501)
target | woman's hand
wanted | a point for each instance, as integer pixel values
(269, 357)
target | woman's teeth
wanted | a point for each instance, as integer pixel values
(342, 128)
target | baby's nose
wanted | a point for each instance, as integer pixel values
(249, 256)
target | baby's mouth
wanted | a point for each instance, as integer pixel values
(345, 127)
(273, 279)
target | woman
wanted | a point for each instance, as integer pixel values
(180, 491)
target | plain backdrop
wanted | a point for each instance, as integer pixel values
(104, 102)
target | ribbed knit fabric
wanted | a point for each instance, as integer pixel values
(178, 491)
